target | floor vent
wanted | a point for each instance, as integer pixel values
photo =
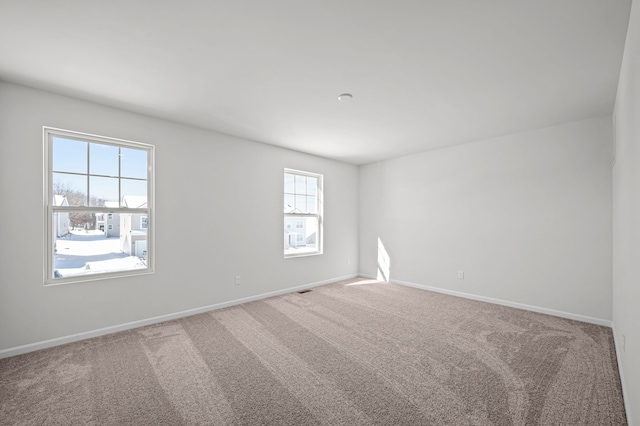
(304, 291)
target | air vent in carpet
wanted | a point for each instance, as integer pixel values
(304, 291)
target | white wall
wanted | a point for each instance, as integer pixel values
(626, 218)
(527, 217)
(218, 215)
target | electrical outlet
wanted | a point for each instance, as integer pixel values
(624, 343)
(238, 279)
(461, 275)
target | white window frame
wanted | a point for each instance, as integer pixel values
(318, 215)
(49, 209)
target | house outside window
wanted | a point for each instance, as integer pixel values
(89, 178)
(303, 195)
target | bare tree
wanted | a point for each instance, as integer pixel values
(77, 198)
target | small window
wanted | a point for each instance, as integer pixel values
(303, 206)
(86, 178)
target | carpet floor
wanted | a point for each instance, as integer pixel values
(356, 352)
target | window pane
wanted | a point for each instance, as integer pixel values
(301, 204)
(288, 183)
(301, 184)
(312, 185)
(84, 244)
(69, 155)
(300, 235)
(61, 225)
(311, 204)
(72, 187)
(133, 163)
(102, 190)
(103, 159)
(135, 191)
(289, 203)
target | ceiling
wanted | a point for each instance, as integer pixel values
(424, 74)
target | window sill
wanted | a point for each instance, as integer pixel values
(307, 254)
(52, 282)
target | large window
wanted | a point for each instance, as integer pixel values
(302, 213)
(89, 179)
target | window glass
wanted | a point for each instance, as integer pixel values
(133, 188)
(301, 184)
(73, 187)
(312, 184)
(134, 163)
(289, 202)
(311, 204)
(103, 189)
(69, 156)
(301, 204)
(103, 159)
(289, 187)
(300, 240)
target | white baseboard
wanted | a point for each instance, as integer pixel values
(517, 305)
(627, 403)
(18, 350)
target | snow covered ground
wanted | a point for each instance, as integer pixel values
(88, 252)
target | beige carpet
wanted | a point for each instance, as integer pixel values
(350, 353)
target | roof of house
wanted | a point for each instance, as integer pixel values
(60, 200)
(134, 201)
(289, 209)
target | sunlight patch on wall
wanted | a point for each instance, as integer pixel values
(384, 263)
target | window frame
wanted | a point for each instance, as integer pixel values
(50, 209)
(301, 216)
